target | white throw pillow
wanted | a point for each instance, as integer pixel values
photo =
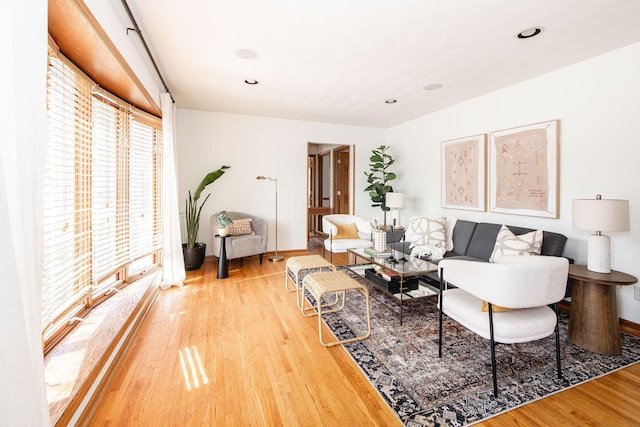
(508, 243)
(428, 231)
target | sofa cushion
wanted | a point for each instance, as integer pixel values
(553, 243)
(483, 241)
(507, 243)
(461, 236)
(428, 231)
(245, 245)
(342, 245)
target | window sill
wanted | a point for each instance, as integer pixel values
(74, 364)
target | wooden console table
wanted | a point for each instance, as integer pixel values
(593, 318)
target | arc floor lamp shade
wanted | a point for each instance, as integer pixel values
(600, 215)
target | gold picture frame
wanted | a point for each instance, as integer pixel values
(463, 168)
(523, 170)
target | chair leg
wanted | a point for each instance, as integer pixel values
(260, 256)
(331, 248)
(557, 333)
(440, 314)
(493, 352)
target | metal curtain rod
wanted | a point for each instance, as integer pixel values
(144, 43)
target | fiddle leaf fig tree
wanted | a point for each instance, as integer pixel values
(378, 178)
(193, 210)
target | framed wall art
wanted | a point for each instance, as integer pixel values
(463, 182)
(523, 170)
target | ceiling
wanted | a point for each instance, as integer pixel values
(338, 61)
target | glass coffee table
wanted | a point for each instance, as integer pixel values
(398, 279)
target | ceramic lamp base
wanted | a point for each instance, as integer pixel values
(599, 253)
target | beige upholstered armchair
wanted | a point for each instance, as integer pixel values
(245, 244)
(345, 232)
(516, 293)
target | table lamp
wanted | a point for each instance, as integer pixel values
(395, 201)
(600, 215)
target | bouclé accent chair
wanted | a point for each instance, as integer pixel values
(344, 232)
(518, 291)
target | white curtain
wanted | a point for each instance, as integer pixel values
(172, 260)
(23, 121)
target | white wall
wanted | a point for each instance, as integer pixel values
(255, 146)
(598, 105)
(596, 101)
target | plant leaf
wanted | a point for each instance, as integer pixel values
(210, 178)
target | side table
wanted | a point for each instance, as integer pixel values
(223, 262)
(395, 236)
(593, 317)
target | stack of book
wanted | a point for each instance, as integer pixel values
(388, 275)
(373, 252)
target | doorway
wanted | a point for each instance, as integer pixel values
(330, 183)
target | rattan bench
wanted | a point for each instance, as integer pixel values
(296, 265)
(319, 284)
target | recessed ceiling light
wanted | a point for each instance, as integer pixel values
(433, 86)
(391, 101)
(530, 32)
(251, 82)
(246, 54)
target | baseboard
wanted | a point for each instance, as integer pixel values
(630, 327)
(286, 254)
(84, 403)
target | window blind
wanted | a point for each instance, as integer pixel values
(67, 214)
(102, 193)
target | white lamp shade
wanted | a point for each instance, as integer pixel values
(601, 215)
(395, 200)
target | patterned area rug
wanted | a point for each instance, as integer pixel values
(402, 362)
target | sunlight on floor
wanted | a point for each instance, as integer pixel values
(192, 368)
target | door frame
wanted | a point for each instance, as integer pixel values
(321, 151)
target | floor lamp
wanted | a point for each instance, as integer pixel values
(276, 257)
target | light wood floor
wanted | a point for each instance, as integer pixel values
(237, 352)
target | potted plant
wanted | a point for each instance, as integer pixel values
(193, 251)
(223, 221)
(378, 178)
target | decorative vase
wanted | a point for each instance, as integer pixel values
(223, 231)
(380, 240)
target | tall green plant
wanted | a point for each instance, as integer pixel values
(193, 210)
(378, 178)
